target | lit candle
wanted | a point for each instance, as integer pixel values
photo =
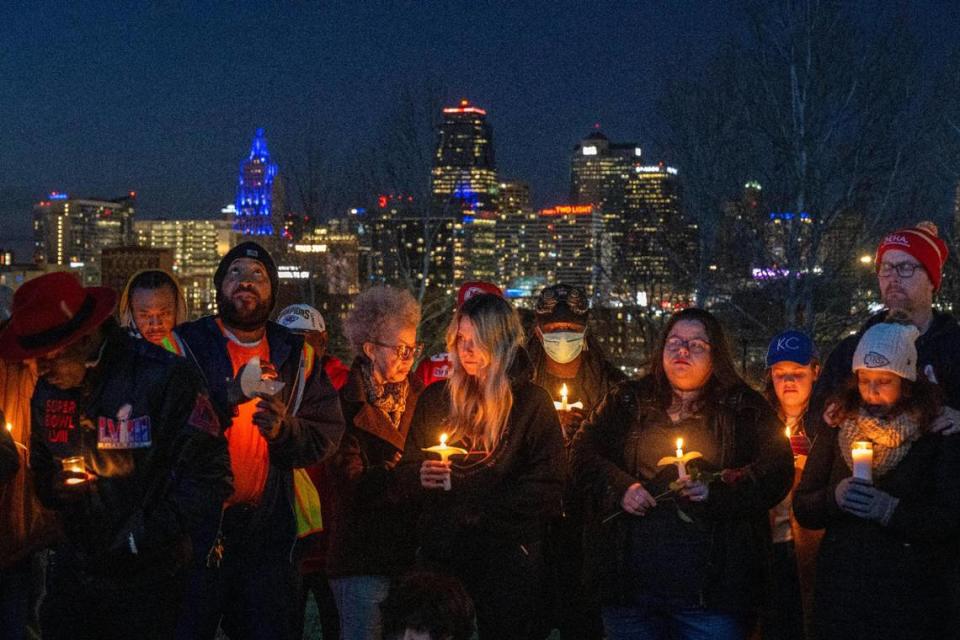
(863, 460)
(681, 465)
(564, 404)
(787, 431)
(445, 452)
(75, 465)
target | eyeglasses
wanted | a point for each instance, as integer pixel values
(695, 345)
(574, 297)
(402, 351)
(903, 269)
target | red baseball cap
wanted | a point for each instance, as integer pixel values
(476, 287)
(53, 311)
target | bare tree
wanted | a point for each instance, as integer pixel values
(820, 109)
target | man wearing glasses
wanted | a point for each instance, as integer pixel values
(250, 577)
(909, 272)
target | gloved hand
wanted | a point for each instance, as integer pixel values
(863, 500)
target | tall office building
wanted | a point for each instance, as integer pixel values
(401, 243)
(524, 245)
(198, 245)
(576, 232)
(647, 246)
(255, 215)
(72, 232)
(465, 188)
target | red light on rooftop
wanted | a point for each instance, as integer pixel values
(133, 194)
(382, 201)
(465, 107)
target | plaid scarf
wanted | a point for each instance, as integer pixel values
(390, 398)
(891, 438)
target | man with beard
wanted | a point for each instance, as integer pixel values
(250, 582)
(909, 272)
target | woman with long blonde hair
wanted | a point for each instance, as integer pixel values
(484, 510)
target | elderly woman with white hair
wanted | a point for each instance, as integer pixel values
(371, 530)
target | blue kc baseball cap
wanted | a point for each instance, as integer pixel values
(791, 346)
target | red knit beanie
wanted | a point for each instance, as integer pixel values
(923, 243)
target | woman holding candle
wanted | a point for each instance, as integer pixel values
(371, 530)
(793, 365)
(682, 561)
(487, 529)
(888, 493)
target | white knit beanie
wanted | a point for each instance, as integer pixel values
(888, 346)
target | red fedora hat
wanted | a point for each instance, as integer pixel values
(53, 311)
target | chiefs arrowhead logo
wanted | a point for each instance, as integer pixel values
(874, 360)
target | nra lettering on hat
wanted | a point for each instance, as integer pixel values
(896, 238)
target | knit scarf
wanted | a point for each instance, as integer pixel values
(891, 437)
(390, 398)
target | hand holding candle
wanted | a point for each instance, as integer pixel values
(680, 460)
(565, 404)
(428, 470)
(74, 467)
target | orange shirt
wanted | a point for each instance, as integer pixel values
(249, 457)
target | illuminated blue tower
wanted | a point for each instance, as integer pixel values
(254, 192)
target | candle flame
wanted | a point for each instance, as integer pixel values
(9, 426)
(443, 439)
(787, 431)
(563, 390)
(679, 443)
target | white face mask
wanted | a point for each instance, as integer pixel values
(563, 346)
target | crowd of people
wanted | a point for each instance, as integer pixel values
(164, 478)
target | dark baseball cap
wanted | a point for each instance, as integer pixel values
(791, 346)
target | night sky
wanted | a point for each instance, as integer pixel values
(163, 98)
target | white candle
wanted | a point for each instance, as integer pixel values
(445, 452)
(681, 466)
(863, 460)
(563, 398)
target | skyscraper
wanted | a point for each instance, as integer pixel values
(647, 247)
(524, 245)
(71, 232)
(255, 216)
(465, 187)
(198, 245)
(576, 232)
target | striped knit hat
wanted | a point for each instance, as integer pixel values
(923, 243)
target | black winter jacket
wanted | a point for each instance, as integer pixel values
(751, 439)
(147, 431)
(309, 436)
(372, 528)
(893, 581)
(507, 496)
(938, 348)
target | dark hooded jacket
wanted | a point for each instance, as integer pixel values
(309, 435)
(147, 431)
(372, 529)
(734, 517)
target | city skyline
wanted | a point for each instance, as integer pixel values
(178, 118)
